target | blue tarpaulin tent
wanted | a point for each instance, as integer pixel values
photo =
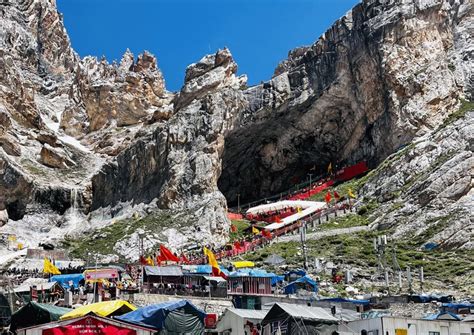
(257, 273)
(305, 282)
(169, 317)
(64, 279)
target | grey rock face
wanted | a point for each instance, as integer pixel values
(179, 163)
(428, 186)
(387, 72)
(112, 136)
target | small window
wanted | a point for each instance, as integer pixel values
(433, 333)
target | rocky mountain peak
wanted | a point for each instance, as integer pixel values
(84, 141)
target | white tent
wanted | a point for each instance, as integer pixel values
(233, 320)
(307, 208)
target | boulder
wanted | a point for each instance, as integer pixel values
(55, 157)
(47, 137)
(10, 145)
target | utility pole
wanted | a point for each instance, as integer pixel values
(410, 287)
(303, 244)
(422, 279)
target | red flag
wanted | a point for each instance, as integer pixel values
(336, 196)
(143, 261)
(233, 228)
(184, 259)
(278, 219)
(328, 197)
(167, 255)
(267, 234)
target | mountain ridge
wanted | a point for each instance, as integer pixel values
(86, 143)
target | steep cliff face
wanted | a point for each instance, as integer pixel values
(82, 135)
(84, 141)
(383, 74)
(179, 162)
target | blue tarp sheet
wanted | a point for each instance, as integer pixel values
(438, 315)
(300, 273)
(293, 286)
(155, 315)
(64, 279)
(353, 301)
(257, 273)
(458, 305)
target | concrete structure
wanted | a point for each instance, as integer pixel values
(391, 325)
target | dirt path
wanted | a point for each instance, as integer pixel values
(323, 233)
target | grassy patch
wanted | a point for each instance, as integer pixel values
(33, 168)
(349, 220)
(241, 225)
(102, 241)
(465, 107)
(357, 250)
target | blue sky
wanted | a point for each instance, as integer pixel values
(259, 33)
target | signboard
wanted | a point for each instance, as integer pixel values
(210, 321)
(101, 274)
(89, 326)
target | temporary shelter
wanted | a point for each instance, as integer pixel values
(236, 320)
(5, 312)
(89, 324)
(305, 283)
(34, 313)
(166, 274)
(104, 308)
(243, 264)
(299, 319)
(65, 280)
(44, 291)
(170, 317)
(274, 259)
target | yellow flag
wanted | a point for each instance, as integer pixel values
(255, 230)
(20, 246)
(149, 261)
(12, 238)
(49, 267)
(298, 209)
(211, 257)
(349, 193)
(330, 167)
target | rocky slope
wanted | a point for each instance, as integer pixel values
(385, 73)
(425, 190)
(85, 142)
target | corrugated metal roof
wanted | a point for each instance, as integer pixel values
(39, 286)
(163, 271)
(249, 313)
(306, 312)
